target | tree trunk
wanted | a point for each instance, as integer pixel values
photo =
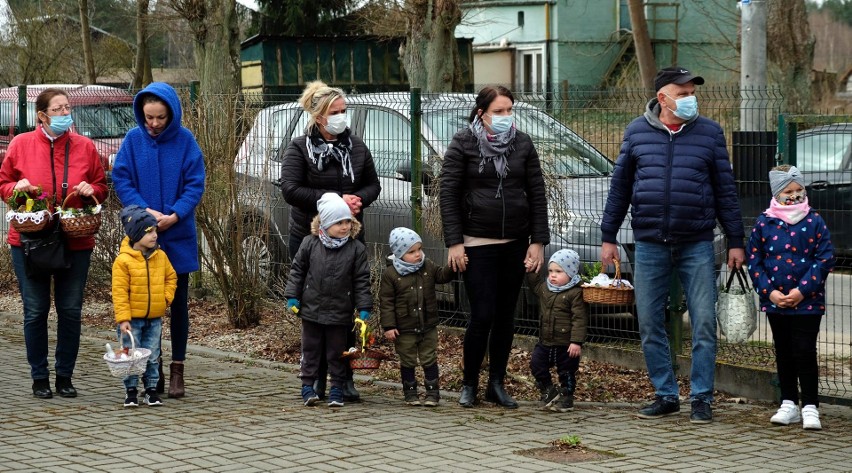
(642, 43)
(141, 44)
(790, 52)
(91, 77)
(430, 54)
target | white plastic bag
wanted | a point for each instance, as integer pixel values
(736, 309)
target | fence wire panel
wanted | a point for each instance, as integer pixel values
(821, 148)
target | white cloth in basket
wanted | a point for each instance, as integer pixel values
(603, 280)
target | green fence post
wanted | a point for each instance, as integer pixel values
(416, 163)
(675, 319)
(22, 109)
(781, 152)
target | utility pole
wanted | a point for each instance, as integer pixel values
(753, 105)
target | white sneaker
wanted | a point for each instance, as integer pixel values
(810, 418)
(787, 414)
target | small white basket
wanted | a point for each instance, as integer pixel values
(135, 364)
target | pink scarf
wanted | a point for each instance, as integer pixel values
(791, 214)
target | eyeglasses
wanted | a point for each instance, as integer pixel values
(59, 109)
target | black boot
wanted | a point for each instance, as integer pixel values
(409, 390)
(320, 386)
(64, 387)
(433, 393)
(161, 383)
(549, 394)
(468, 395)
(496, 393)
(565, 402)
(350, 394)
(41, 388)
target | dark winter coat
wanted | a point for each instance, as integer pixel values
(785, 257)
(564, 315)
(470, 204)
(303, 184)
(330, 283)
(409, 303)
(678, 184)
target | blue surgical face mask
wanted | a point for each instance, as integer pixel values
(59, 124)
(687, 107)
(501, 123)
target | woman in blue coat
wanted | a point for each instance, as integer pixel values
(161, 169)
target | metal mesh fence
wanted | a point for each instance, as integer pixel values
(577, 133)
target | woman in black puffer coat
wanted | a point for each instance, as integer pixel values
(494, 210)
(328, 158)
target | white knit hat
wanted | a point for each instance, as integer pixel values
(332, 209)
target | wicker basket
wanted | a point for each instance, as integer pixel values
(81, 225)
(366, 360)
(135, 364)
(617, 294)
(29, 222)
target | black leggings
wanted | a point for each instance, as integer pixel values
(795, 339)
(492, 279)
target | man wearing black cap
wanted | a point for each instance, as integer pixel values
(673, 169)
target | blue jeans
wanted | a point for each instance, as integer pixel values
(68, 285)
(694, 264)
(147, 334)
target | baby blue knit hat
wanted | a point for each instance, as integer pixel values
(401, 240)
(332, 209)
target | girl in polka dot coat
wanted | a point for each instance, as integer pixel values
(789, 258)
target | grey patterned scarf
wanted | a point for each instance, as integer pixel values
(321, 151)
(494, 148)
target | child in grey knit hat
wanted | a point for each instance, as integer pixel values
(562, 329)
(409, 308)
(329, 281)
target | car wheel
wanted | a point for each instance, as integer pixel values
(263, 257)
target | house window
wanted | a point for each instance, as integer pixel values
(521, 19)
(532, 75)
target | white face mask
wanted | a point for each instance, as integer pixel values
(336, 124)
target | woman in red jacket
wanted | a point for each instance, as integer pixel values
(39, 159)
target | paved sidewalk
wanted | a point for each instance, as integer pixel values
(246, 416)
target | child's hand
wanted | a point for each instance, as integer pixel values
(574, 350)
(124, 326)
(293, 305)
(391, 334)
(794, 298)
(778, 298)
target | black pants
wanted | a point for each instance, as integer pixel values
(795, 339)
(492, 279)
(322, 371)
(544, 357)
(319, 340)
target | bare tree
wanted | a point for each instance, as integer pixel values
(142, 64)
(86, 35)
(430, 52)
(790, 52)
(642, 43)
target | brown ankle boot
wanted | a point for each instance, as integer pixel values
(176, 380)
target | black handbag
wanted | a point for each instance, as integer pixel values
(45, 252)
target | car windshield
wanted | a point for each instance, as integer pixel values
(562, 152)
(104, 120)
(823, 151)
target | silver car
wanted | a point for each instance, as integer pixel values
(576, 173)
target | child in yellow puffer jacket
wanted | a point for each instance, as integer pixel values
(143, 286)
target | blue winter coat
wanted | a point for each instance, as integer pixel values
(678, 184)
(164, 173)
(784, 257)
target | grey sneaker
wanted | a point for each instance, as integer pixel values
(701, 412)
(659, 408)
